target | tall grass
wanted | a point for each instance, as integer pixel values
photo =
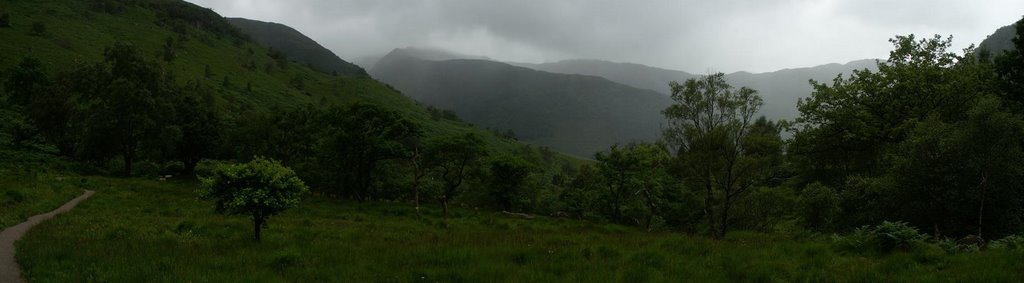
(29, 185)
(147, 231)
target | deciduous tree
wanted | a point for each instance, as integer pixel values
(260, 189)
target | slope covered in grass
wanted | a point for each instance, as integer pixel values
(30, 185)
(296, 45)
(197, 45)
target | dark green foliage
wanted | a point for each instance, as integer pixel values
(882, 238)
(765, 208)
(356, 140)
(27, 81)
(172, 12)
(580, 196)
(819, 207)
(1011, 242)
(123, 107)
(452, 158)
(507, 175)
(199, 124)
(919, 141)
(637, 187)
(127, 105)
(21, 129)
(26, 90)
(259, 189)
(724, 152)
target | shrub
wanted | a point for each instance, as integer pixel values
(883, 238)
(897, 235)
(861, 239)
(1012, 242)
(952, 246)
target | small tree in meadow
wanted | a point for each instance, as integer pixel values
(260, 188)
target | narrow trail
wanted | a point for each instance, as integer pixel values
(9, 269)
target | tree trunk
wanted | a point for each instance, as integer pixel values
(650, 207)
(981, 206)
(189, 169)
(725, 218)
(709, 211)
(128, 158)
(416, 192)
(444, 205)
(257, 224)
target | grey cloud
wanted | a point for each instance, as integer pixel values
(691, 35)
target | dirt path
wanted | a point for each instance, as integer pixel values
(9, 269)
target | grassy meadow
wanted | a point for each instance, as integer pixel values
(33, 183)
(136, 230)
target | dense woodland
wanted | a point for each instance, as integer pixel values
(932, 140)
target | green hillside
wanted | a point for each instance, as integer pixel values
(296, 46)
(246, 76)
(262, 105)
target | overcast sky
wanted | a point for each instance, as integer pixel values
(688, 35)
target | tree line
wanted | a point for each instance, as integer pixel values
(128, 110)
(933, 139)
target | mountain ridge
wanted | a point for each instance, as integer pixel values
(574, 114)
(296, 45)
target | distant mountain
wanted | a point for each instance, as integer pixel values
(780, 89)
(574, 114)
(434, 54)
(1001, 40)
(636, 75)
(367, 62)
(295, 45)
